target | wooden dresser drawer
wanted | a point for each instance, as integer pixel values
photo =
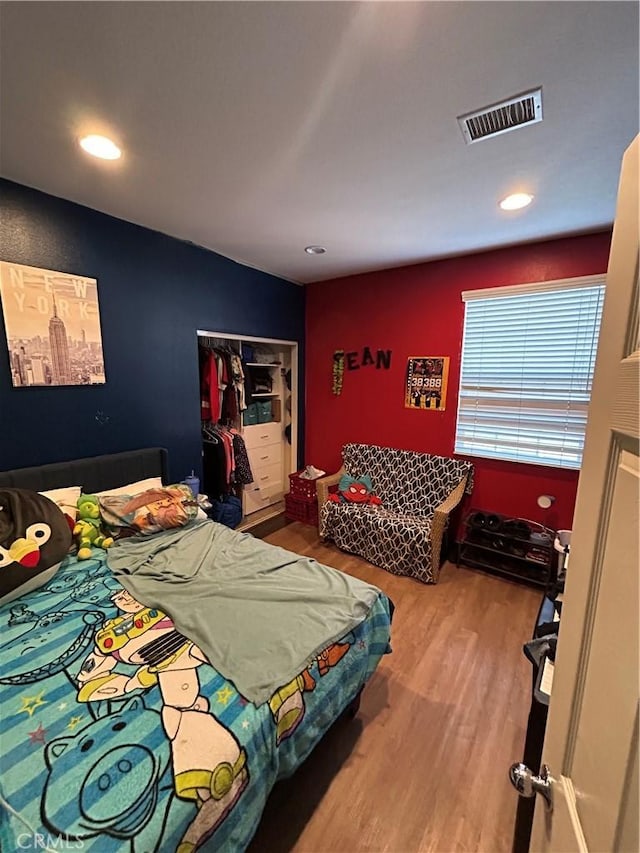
(267, 475)
(261, 457)
(255, 499)
(260, 435)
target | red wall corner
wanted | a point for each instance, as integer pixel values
(418, 311)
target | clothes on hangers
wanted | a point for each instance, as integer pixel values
(244, 476)
(226, 387)
(237, 373)
(222, 382)
(227, 440)
(226, 459)
(209, 396)
(214, 467)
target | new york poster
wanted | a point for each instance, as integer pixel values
(52, 323)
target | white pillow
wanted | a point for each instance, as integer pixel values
(133, 488)
(66, 499)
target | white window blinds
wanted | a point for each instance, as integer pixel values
(528, 355)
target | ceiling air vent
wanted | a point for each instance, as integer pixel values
(501, 118)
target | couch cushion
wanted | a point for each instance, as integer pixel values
(397, 542)
(407, 481)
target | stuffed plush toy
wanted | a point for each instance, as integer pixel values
(355, 490)
(88, 529)
(34, 537)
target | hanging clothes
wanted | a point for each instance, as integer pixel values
(214, 468)
(222, 382)
(227, 440)
(244, 476)
(209, 396)
(225, 389)
(224, 374)
(219, 466)
(238, 380)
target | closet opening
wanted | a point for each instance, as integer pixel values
(249, 420)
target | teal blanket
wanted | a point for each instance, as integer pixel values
(116, 735)
(259, 613)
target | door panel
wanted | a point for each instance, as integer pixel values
(592, 734)
(610, 696)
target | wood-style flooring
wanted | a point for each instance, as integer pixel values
(423, 766)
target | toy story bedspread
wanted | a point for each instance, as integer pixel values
(117, 734)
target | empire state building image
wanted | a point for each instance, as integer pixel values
(60, 364)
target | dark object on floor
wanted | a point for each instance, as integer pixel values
(227, 511)
(354, 706)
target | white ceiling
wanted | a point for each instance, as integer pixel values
(256, 129)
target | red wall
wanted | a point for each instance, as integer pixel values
(418, 311)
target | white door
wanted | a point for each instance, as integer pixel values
(591, 744)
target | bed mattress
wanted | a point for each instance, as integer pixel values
(117, 733)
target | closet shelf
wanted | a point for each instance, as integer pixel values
(271, 394)
(261, 364)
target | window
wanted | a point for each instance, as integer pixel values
(528, 354)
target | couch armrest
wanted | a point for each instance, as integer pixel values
(439, 523)
(323, 484)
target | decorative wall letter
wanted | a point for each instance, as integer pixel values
(338, 371)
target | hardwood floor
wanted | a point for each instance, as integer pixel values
(423, 767)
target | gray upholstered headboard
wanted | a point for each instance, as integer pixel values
(94, 474)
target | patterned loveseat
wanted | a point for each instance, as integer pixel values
(418, 492)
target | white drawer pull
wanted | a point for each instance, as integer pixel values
(265, 478)
(265, 436)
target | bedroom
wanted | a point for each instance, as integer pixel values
(63, 211)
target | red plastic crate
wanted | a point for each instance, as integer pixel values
(301, 488)
(303, 510)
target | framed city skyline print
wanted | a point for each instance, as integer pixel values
(52, 322)
(426, 383)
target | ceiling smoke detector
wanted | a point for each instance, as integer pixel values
(493, 120)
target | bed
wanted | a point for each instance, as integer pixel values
(101, 750)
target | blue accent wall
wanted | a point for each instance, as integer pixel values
(154, 293)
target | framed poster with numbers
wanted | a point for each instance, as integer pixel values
(426, 382)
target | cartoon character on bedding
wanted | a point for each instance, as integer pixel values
(87, 772)
(84, 587)
(209, 765)
(54, 641)
(287, 703)
(39, 652)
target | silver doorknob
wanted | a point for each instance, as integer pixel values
(527, 784)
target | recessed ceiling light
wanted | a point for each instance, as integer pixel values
(100, 146)
(516, 201)
(315, 250)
